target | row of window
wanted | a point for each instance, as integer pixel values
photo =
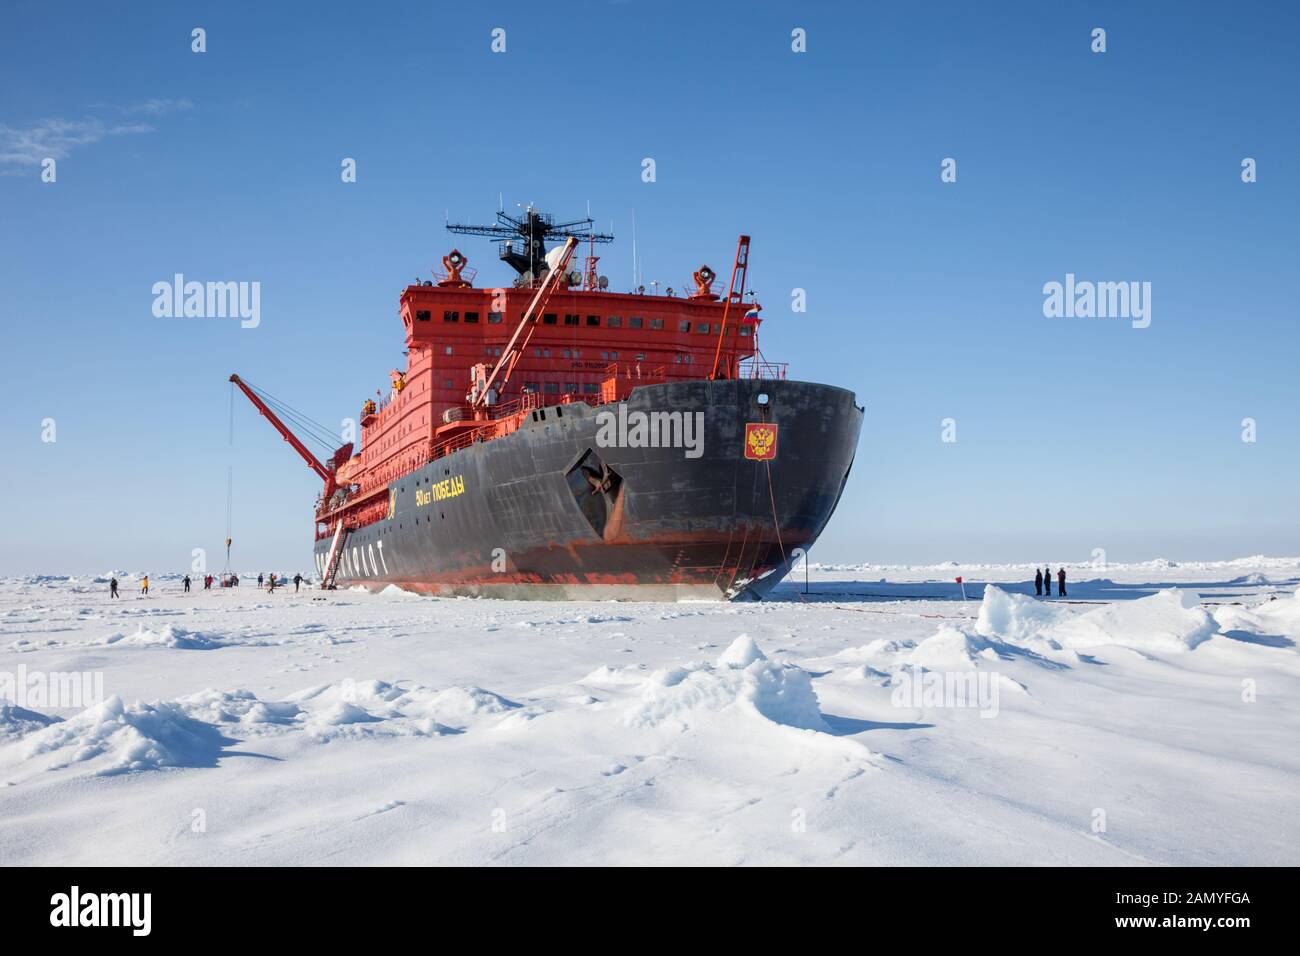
(452, 315)
(573, 354)
(573, 319)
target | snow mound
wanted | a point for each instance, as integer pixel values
(114, 738)
(16, 721)
(1016, 617)
(170, 636)
(872, 650)
(393, 591)
(606, 676)
(394, 710)
(951, 647)
(742, 652)
(239, 707)
(771, 691)
(1254, 577)
(1275, 622)
(1169, 620)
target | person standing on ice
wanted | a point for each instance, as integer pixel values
(186, 582)
(1047, 581)
(1060, 583)
(271, 589)
(259, 579)
(297, 580)
(144, 586)
(112, 587)
(1038, 581)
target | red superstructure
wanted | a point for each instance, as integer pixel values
(581, 344)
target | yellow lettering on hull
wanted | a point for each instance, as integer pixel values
(440, 491)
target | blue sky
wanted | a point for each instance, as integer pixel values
(923, 297)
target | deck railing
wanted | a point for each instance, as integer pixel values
(769, 371)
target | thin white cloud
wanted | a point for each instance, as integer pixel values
(55, 138)
(157, 107)
(22, 147)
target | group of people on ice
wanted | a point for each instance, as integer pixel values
(271, 582)
(208, 580)
(1043, 582)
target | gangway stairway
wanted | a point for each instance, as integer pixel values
(335, 556)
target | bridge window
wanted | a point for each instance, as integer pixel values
(471, 316)
(422, 315)
(550, 318)
(593, 320)
(702, 327)
(656, 323)
(683, 326)
(572, 318)
(450, 316)
(634, 322)
(590, 388)
(551, 388)
(744, 329)
(614, 322)
(571, 387)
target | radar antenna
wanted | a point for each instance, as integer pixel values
(523, 239)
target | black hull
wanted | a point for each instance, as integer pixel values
(554, 512)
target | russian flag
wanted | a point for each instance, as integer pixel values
(751, 317)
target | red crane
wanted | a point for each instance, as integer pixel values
(326, 473)
(483, 379)
(735, 296)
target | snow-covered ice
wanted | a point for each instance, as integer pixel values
(1151, 717)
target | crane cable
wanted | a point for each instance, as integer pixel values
(312, 430)
(230, 477)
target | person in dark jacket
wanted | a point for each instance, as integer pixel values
(297, 580)
(186, 582)
(1047, 581)
(112, 587)
(1038, 581)
(259, 579)
(1060, 582)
